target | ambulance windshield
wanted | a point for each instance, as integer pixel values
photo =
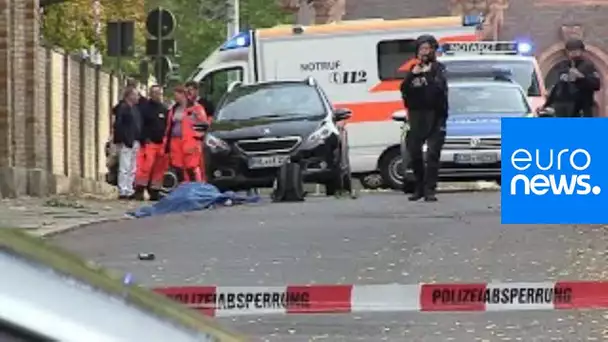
(522, 71)
(276, 100)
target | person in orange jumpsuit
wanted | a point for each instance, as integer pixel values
(150, 164)
(183, 143)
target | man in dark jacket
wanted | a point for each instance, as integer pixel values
(127, 136)
(149, 158)
(425, 94)
(572, 95)
(192, 88)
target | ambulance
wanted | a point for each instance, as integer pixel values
(359, 64)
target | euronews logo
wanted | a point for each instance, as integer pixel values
(561, 172)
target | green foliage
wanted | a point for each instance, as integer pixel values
(71, 26)
(202, 25)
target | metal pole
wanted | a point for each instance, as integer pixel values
(305, 14)
(232, 27)
(95, 55)
(159, 64)
(232, 24)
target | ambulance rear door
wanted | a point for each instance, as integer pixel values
(233, 61)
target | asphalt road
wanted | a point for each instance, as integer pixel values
(378, 238)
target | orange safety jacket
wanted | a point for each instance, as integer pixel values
(193, 114)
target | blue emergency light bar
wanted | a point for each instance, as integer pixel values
(483, 48)
(472, 20)
(241, 40)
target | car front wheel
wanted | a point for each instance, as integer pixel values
(341, 179)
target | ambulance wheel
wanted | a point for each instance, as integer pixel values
(341, 180)
(372, 181)
(392, 172)
(391, 169)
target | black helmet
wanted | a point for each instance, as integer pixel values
(427, 38)
(575, 44)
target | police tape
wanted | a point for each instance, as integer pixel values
(224, 301)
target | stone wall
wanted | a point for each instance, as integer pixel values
(54, 112)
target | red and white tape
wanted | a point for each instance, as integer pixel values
(222, 301)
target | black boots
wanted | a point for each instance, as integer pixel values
(154, 195)
(428, 195)
(139, 193)
(417, 195)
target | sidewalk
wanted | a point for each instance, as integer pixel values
(48, 216)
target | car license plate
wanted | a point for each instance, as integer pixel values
(267, 161)
(475, 158)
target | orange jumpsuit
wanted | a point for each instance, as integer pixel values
(150, 165)
(185, 152)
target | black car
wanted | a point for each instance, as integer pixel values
(259, 127)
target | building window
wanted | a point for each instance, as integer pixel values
(392, 55)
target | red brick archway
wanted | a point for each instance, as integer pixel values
(555, 54)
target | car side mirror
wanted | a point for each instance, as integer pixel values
(341, 114)
(399, 117)
(201, 127)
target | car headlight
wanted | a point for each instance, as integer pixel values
(216, 144)
(320, 135)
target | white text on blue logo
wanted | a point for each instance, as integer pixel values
(552, 178)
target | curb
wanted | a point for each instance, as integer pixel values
(228, 301)
(46, 233)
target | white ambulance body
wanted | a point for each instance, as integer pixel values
(356, 63)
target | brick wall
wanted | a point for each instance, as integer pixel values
(54, 112)
(540, 21)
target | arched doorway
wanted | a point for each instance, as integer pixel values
(553, 74)
(555, 54)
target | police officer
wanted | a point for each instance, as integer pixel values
(572, 95)
(425, 94)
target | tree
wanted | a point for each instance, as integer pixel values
(202, 25)
(201, 28)
(71, 24)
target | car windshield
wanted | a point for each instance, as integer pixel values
(487, 100)
(523, 71)
(271, 101)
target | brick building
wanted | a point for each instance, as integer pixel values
(546, 23)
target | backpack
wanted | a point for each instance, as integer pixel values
(289, 184)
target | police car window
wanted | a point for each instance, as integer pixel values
(281, 100)
(487, 100)
(523, 72)
(392, 55)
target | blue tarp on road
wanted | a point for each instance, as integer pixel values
(191, 197)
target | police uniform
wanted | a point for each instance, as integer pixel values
(573, 96)
(425, 96)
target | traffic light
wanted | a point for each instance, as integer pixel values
(120, 38)
(160, 25)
